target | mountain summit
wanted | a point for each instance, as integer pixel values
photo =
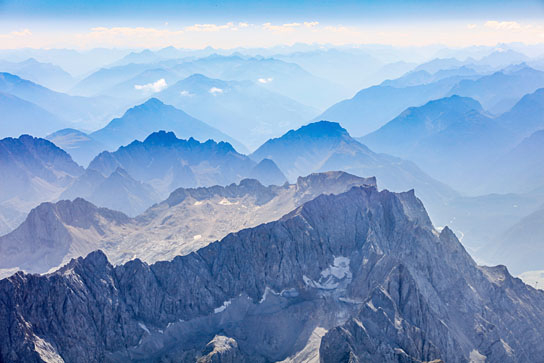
(324, 146)
(151, 116)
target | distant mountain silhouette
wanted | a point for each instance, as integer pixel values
(23, 117)
(153, 115)
(33, 170)
(247, 111)
(75, 110)
(118, 191)
(500, 91)
(81, 146)
(166, 162)
(46, 74)
(323, 146)
(448, 138)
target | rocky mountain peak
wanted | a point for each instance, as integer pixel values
(151, 105)
(382, 284)
(319, 129)
(330, 178)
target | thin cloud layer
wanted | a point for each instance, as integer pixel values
(236, 34)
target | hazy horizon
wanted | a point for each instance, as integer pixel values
(232, 24)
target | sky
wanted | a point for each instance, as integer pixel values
(229, 24)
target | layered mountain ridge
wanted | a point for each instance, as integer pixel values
(33, 170)
(166, 162)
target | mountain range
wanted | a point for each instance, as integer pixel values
(186, 221)
(373, 107)
(364, 270)
(33, 170)
(46, 74)
(118, 191)
(500, 91)
(20, 117)
(325, 146)
(454, 139)
(166, 163)
(72, 110)
(82, 147)
(153, 115)
(520, 245)
(247, 111)
(285, 78)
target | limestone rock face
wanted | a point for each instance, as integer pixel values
(365, 265)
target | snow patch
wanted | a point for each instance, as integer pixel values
(332, 276)
(292, 292)
(476, 357)
(370, 304)
(350, 301)
(225, 201)
(222, 307)
(196, 237)
(142, 325)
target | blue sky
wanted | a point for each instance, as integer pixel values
(123, 23)
(216, 10)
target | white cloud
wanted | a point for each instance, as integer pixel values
(128, 37)
(246, 34)
(336, 29)
(502, 25)
(209, 27)
(311, 24)
(186, 93)
(215, 90)
(265, 80)
(153, 87)
(17, 34)
(281, 28)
